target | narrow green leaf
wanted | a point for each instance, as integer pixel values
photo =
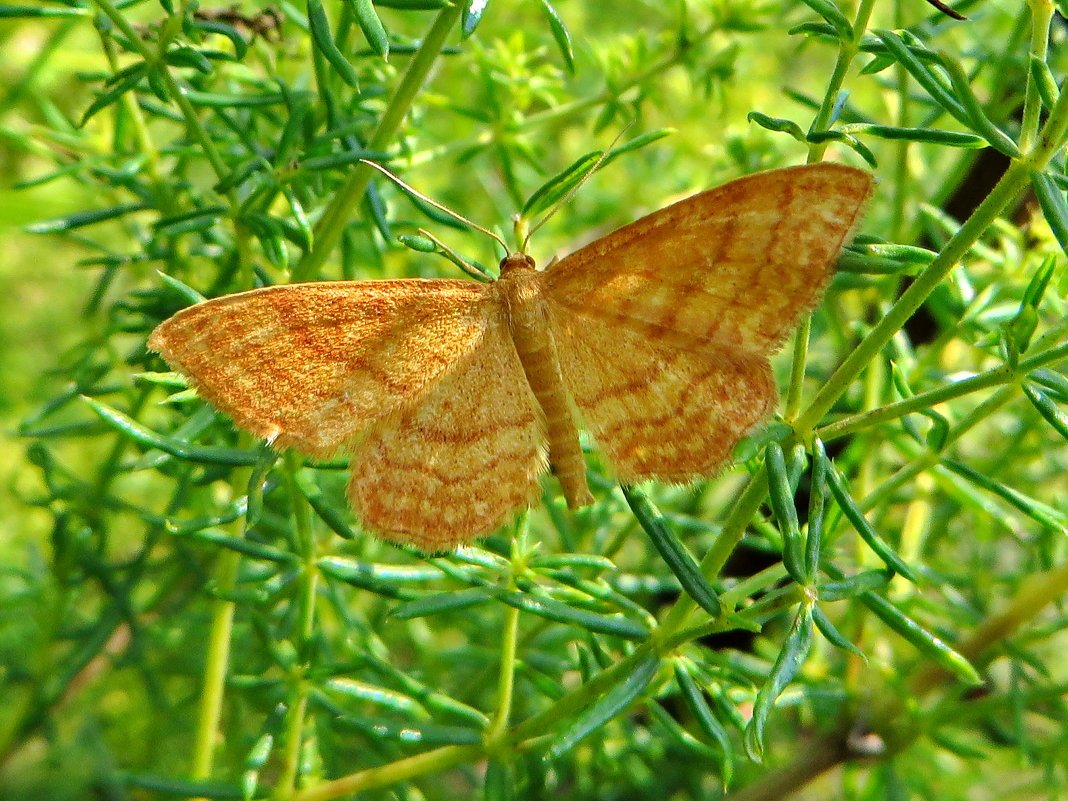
(832, 634)
(240, 545)
(903, 55)
(933, 136)
(819, 137)
(561, 35)
(982, 124)
(674, 553)
(850, 509)
(1052, 380)
(114, 93)
(189, 57)
(829, 11)
(782, 504)
(547, 195)
(406, 732)
(143, 436)
(256, 759)
(853, 586)
(791, 657)
(1039, 282)
(926, 643)
(817, 504)
(83, 218)
(373, 30)
(1054, 208)
(560, 612)
(777, 124)
(610, 704)
(359, 574)
(442, 602)
(1037, 511)
(319, 26)
(222, 29)
(1047, 408)
(714, 731)
(419, 243)
(373, 693)
(184, 291)
(226, 101)
(636, 143)
(26, 12)
(1044, 82)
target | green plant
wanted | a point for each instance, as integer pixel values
(207, 622)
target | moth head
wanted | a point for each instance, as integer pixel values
(515, 262)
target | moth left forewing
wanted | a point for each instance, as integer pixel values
(311, 365)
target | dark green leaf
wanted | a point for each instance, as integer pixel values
(1037, 511)
(114, 93)
(80, 219)
(926, 643)
(319, 26)
(714, 731)
(777, 124)
(789, 661)
(143, 436)
(853, 585)
(933, 136)
(880, 546)
(1047, 408)
(550, 192)
(1054, 209)
(560, 612)
(817, 499)
(673, 551)
(829, 11)
(371, 25)
(362, 575)
(1042, 77)
(442, 602)
(782, 504)
(610, 704)
(561, 35)
(832, 634)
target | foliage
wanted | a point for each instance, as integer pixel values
(871, 587)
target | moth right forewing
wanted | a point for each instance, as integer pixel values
(733, 266)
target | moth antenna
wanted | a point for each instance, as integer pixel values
(435, 204)
(471, 269)
(573, 190)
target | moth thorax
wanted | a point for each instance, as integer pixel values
(516, 261)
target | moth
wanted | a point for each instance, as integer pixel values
(455, 396)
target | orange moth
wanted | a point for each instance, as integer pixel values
(455, 396)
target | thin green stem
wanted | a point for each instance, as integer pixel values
(996, 377)
(309, 579)
(847, 51)
(331, 225)
(215, 667)
(506, 678)
(1041, 19)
